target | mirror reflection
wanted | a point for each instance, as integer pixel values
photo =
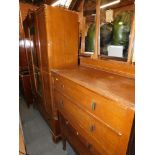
(115, 26)
(90, 26)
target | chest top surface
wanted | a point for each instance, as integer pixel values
(112, 86)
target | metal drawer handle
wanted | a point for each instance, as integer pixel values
(91, 128)
(55, 118)
(61, 104)
(93, 106)
(88, 146)
(56, 79)
(62, 86)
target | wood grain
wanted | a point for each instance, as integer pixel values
(131, 42)
(97, 31)
(106, 126)
(57, 32)
(112, 66)
(112, 86)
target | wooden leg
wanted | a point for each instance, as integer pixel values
(28, 105)
(56, 139)
(64, 143)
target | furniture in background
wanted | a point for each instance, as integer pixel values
(24, 76)
(25, 87)
(52, 34)
(30, 47)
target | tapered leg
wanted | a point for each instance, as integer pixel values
(64, 143)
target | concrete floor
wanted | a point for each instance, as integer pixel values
(37, 135)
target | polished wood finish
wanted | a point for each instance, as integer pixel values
(23, 11)
(112, 66)
(27, 82)
(101, 82)
(83, 35)
(57, 47)
(56, 27)
(28, 22)
(96, 106)
(97, 31)
(79, 144)
(23, 62)
(91, 105)
(131, 42)
(47, 93)
(25, 87)
(24, 8)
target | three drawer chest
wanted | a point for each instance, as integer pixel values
(95, 110)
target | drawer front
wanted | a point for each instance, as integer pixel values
(108, 139)
(74, 114)
(79, 143)
(103, 138)
(109, 112)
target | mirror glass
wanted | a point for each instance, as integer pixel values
(90, 27)
(115, 26)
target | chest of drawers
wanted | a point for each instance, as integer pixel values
(98, 105)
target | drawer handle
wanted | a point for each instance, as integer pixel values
(55, 118)
(88, 146)
(56, 79)
(93, 106)
(91, 128)
(61, 104)
(62, 86)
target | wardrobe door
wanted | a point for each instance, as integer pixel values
(23, 64)
(37, 42)
(62, 33)
(42, 36)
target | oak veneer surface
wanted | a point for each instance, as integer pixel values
(81, 146)
(57, 47)
(25, 82)
(115, 87)
(23, 64)
(112, 66)
(58, 36)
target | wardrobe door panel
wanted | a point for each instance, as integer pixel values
(42, 40)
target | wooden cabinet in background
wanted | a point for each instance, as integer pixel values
(23, 64)
(25, 87)
(29, 40)
(24, 74)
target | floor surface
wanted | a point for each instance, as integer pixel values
(37, 134)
